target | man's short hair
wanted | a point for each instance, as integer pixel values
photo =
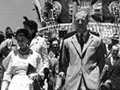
(84, 11)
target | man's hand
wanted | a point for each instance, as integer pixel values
(62, 75)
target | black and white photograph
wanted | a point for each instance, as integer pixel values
(59, 44)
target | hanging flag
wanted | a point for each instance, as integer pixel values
(39, 5)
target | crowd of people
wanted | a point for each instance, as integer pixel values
(81, 61)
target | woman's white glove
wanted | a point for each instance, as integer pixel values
(33, 76)
(107, 84)
(42, 75)
(58, 82)
(5, 85)
(108, 81)
(60, 77)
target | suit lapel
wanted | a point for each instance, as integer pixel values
(86, 45)
(76, 44)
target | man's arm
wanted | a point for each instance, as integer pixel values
(64, 59)
(63, 64)
(101, 56)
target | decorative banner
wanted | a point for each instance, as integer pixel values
(106, 30)
(114, 8)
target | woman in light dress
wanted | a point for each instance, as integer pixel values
(16, 65)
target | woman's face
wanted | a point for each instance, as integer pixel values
(22, 42)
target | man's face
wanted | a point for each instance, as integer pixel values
(81, 20)
(115, 53)
(55, 45)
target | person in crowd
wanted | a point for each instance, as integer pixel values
(111, 78)
(5, 46)
(54, 52)
(37, 43)
(113, 41)
(2, 37)
(17, 64)
(54, 46)
(82, 58)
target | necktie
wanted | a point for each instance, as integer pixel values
(81, 41)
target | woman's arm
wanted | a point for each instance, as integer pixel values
(5, 85)
(7, 62)
(7, 77)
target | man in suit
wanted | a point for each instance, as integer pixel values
(82, 58)
(111, 78)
